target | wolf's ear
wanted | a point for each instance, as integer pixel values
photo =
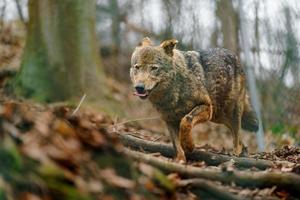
(145, 42)
(169, 46)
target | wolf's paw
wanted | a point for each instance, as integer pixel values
(238, 150)
(244, 152)
(180, 159)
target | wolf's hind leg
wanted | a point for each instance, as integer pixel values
(235, 127)
(199, 114)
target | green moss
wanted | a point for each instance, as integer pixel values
(2, 194)
(121, 165)
(66, 191)
(55, 180)
(278, 128)
(163, 181)
(11, 161)
(60, 60)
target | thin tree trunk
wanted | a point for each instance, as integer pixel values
(20, 12)
(251, 77)
(2, 16)
(229, 24)
(116, 29)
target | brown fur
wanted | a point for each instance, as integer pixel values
(191, 87)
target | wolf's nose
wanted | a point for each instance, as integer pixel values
(140, 88)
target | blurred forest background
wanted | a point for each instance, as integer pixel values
(265, 34)
(75, 54)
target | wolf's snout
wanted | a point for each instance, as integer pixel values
(140, 88)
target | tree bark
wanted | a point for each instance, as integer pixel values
(61, 55)
(261, 179)
(20, 12)
(254, 96)
(229, 24)
(208, 187)
(116, 29)
(197, 155)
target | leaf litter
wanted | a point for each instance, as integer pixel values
(56, 155)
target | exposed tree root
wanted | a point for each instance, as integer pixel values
(260, 179)
(208, 187)
(210, 158)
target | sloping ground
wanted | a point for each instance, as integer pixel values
(49, 152)
(46, 153)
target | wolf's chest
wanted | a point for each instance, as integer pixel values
(175, 111)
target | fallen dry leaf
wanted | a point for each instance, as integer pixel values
(63, 127)
(110, 176)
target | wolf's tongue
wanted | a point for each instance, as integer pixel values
(140, 95)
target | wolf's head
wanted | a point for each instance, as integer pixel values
(151, 67)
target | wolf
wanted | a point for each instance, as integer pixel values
(192, 87)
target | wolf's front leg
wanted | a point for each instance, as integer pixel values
(174, 131)
(199, 114)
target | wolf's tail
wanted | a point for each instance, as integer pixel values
(249, 118)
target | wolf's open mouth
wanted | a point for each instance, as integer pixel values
(142, 95)
(145, 94)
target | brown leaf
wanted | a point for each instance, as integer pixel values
(93, 138)
(33, 150)
(63, 127)
(7, 110)
(147, 183)
(174, 178)
(282, 194)
(110, 176)
(29, 196)
(93, 185)
(148, 170)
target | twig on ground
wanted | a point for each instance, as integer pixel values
(80, 102)
(197, 155)
(136, 120)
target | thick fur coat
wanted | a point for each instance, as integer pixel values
(191, 87)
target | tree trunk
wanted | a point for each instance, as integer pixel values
(251, 77)
(229, 24)
(116, 28)
(61, 59)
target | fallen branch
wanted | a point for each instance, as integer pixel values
(208, 187)
(209, 158)
(287, 181)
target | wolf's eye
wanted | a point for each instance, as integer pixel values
(154, 68)
(137, 67)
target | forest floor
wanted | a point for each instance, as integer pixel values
(50, 152)
(56, 151)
